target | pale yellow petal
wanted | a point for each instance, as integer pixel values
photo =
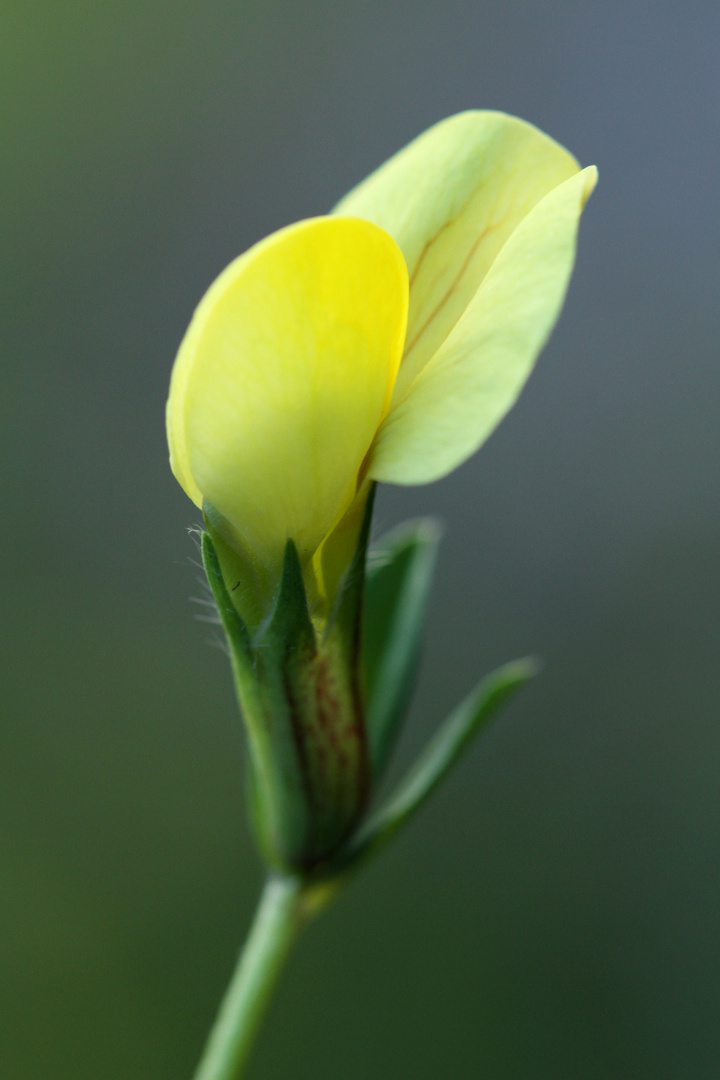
(476, 375)
(451, 199)
(283, 377)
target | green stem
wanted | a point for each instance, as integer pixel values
(277, 922)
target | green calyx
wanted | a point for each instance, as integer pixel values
(323, 706)
(300, 694)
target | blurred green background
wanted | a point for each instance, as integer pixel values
(554, 913)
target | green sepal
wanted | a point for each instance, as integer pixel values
(290, 627)
(243, 666)
(438, 758)
(233, 625)
(247, 582)
(398, 585)
(278, 797)
(319, 683)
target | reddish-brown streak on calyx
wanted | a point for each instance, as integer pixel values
(331, 719)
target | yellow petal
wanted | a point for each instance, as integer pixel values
(451, 199)
(283, 377)
(476, 375)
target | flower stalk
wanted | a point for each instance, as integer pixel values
(278, 920)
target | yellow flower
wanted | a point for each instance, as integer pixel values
(382, 343)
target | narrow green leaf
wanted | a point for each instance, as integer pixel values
(444, 749)
(396, 595)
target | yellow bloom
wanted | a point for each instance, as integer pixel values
(384, 342)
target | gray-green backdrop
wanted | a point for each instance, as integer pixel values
(554, 913)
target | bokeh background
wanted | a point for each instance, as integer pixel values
(554, 913)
